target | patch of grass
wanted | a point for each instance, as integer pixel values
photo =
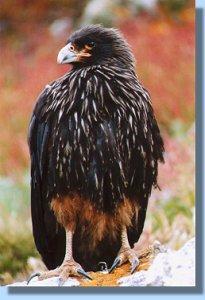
(16, 241)
(170, 210)
(171, 213)
(176, 206)
(16, 248)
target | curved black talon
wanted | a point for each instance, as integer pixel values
(135, 264)
(37, 274)
(82, 272)
(115, 264)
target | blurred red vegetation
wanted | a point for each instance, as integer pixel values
(164, 52)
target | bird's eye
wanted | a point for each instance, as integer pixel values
(72, 48)
(91, 44)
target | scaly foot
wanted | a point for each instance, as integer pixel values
(67, 269)
(124, 255)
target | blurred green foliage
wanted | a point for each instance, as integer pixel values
(178, 128)
(174, 6)
(171, 208)
(16, 241)
(16, 247)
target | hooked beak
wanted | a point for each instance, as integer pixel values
(66, 56)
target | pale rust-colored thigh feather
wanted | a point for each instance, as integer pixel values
(72, 210)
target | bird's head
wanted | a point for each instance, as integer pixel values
(95, 45)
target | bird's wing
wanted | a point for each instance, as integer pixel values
(141, 144)
(153, 148)
(49, 237)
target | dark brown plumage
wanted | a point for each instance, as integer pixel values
(95, 147)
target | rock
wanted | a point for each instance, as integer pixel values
(47, 282)
(170, 268)
(159, 266)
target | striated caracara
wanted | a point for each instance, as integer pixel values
(95, 147)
